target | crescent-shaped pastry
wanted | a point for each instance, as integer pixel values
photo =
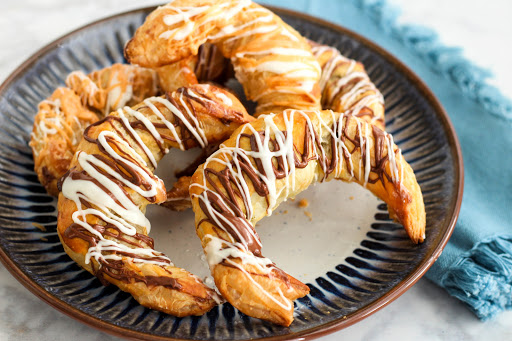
(114, 87)
(346, 87)
(271, 60)
(274, 158)
(58, 128)
(110, 182)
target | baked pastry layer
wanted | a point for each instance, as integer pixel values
(110, 182)
(274, 158)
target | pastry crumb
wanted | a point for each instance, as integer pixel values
(39, 226)
(309, 215)
(303, 203)
(351, 197)
(285, 212)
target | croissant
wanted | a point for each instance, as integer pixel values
(58, 128)
(274, 158)
(271, 60)
(101, 221)
(346, 87)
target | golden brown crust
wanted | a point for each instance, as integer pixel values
(176, 75)
(249, 297)
(62, 118)
(346, 87)
(224, 221)
(58, 128)
(160, 286)
(114, 87)
(178, 197)
(340, 78)
(251, 36)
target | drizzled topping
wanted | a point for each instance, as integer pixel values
(256, 40)
(110, 188)
(182, 19)
(49, 125)
(58, 128)
(346, 87)
(266, 162)
(113, 87)
(62, 115)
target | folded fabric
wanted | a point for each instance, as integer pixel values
(476, 265)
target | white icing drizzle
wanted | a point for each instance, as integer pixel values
(285, 31)
(137, 138)
(225, 99)
(110, 202)
(124, 215)
(117, 96)
(90, 88)
(168, 124)
(42, 128)
(221, 219)
(304, 69)
(285, 51)
(286, 151)
(351, 100)
(257, 30)
(233, 30)
(119, 91)
(331, 63)
(292, 69)
(147, 123)
(392, 159)
(183, 15)
(341, 148)
(195, 129)
(219, 250)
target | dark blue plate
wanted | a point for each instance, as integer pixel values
(366, 270)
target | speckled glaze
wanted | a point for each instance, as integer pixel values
(343, 245)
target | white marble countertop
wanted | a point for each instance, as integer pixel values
(425, 312)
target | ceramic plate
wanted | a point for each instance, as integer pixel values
(343, 245)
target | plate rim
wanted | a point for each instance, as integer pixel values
(314, 332)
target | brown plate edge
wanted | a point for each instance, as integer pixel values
(318, 331)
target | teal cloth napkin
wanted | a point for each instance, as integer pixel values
(476, 265)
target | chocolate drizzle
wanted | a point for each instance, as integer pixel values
(338, 68)
(211, 65)
(116, 268)
(226, 198)
(116, 169)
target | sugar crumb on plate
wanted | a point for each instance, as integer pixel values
(303, 203)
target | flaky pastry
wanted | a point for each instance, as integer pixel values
(274, 158)
(346, 87)
(114, 87)
(110, 182)
(209, 65)
(271, 60)
(58, 128)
